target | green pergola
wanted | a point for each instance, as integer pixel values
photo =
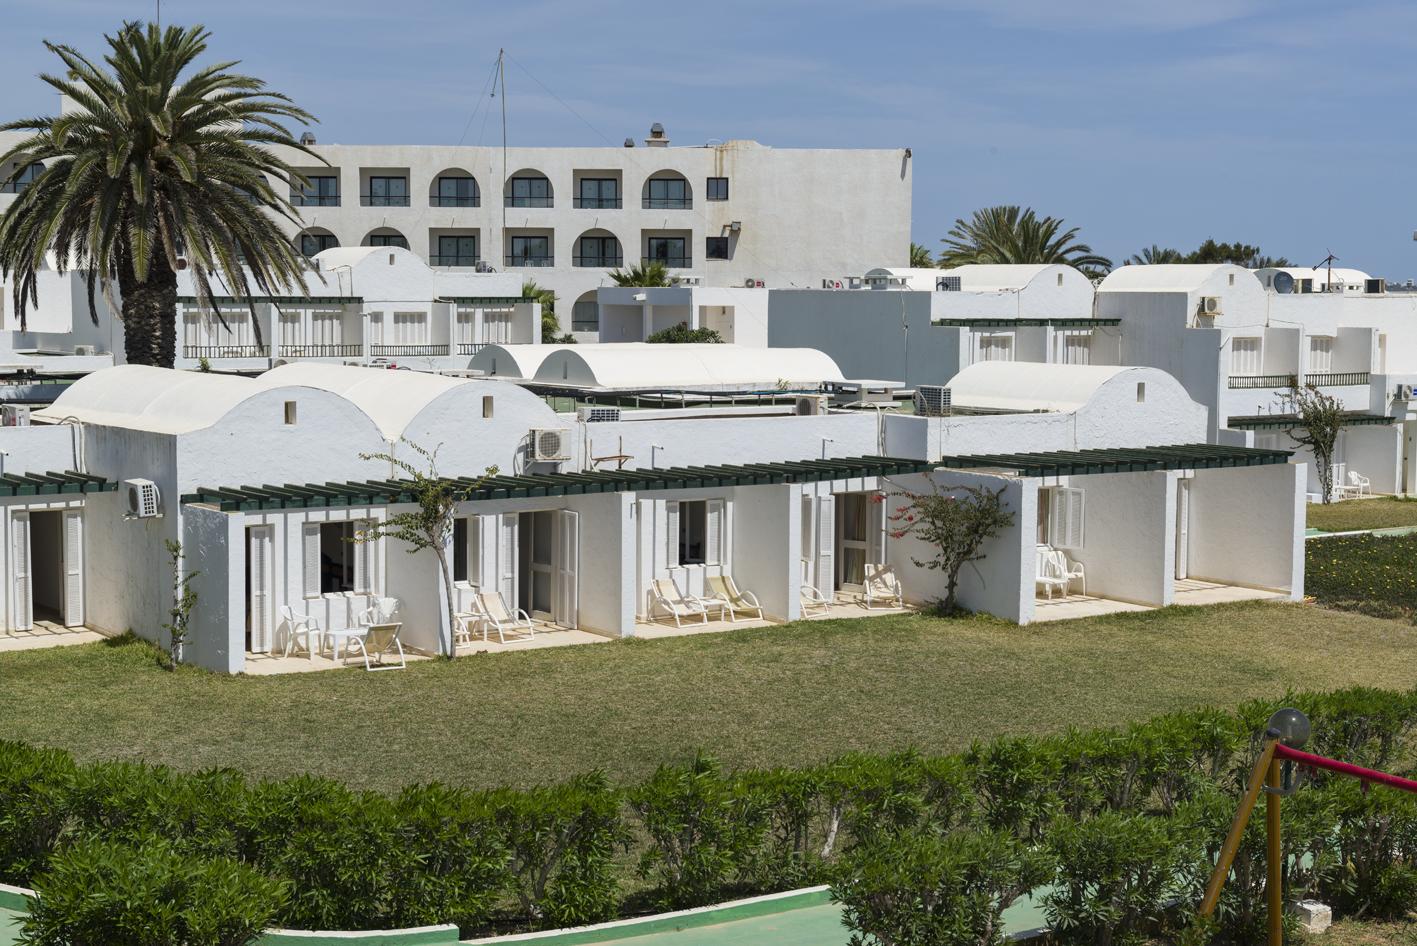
(1025, 323)
(278, 300)
(1142, 459)
(384, 492)
(1287, 421)
(45, 484)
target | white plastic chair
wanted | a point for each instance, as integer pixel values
(494, 615)
(1358, 485)
(1071, 571)
(730, 598)
(881, 584)
(812, 599)
(297, 625)
(666, 596)
(1049, 573)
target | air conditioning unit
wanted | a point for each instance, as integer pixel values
(947, 284)
(1404, 392)
(597, 415)
(686, 280)
(1375, 287)
(810, 405)
(751, 283)
(1209, 305)
(548, 445)
(144, 501)
(85, 350)
(932, 400)
(14, 415)
(1303, 285)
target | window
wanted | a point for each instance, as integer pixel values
(1060, 279)
(486, 406)
(667, 193)
(530, 251)
(1245, 357)
(455, 251)
(320, 191)
(388, 239)
(598, 193)
(290, 413)
(467, 550)
(312, 243)
(387, 192)
(457, 192)
(598, 251)
(671, 251)
(1077, 348)
(716, 248)
(1232, 279)
(996, 348)
(23, 179)
(1141, 392)
(530, 192)
(1061, 515)
(1320, 353)
(585, 316)
(717, 189)
(341, 561)
(699, 531)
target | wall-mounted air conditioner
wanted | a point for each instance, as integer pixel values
(597, 415)
(144, 501)
(1209, 305)
(14, 415)
(1374, 287)
(947, 284)
(1403, 393)
(810, 405)
(549, 445)
(85, 350)
(932, 400)
(751, 283)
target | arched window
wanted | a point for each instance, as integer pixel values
(455, 188)
(316, 241)
(528, 188)
(667, 190)
(598, 249)
(23, 179)
(386, 236)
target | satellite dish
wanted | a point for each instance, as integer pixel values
(1283, 282)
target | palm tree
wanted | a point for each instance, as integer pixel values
(920, 257)
(1009, 234)
(646, 275)
(550, 324)
(163, 166)
(1156, 254)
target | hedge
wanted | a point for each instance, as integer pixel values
(1113, 828)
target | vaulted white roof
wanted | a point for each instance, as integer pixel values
(1026, 386)
(154, 399)
(391, 398)
(979, 277)
(1165, 277)
(639, 365)
(513, 361)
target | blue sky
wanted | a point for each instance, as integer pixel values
(1287, 124)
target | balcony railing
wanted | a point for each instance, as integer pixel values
(315, 200)
(383, 200)
(436, 201)
(226, 351)
(408, 351)
(671, 262)
(530, 261)
(1261, 381)
(668, 203)
(603, 261)
(456, 260)
(471, 348)
(529, 202)
(597, 203)
(322, 350)
(1336, 378)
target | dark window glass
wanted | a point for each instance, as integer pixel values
(603, 192)
(457, 192)
(531, 192)
(337, 551)
(388, 192)
(670, 251)
(312, 243)
(25, 178)
(585, 316)
(598, 251)
(459, 550)
(693, 525)
(388, 239)
(456, 251)
(537, 248)
(319, 192)
(716, 248)
(666, 192)
(717, 189)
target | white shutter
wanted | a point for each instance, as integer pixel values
(713, 533)
(804, 550)
(507, 557)
(567, 592)
(361, 553)
(826, 544)
(875, 530)
(1066, 530)
(474, 551)
(312, 559)
(20, 570)
(671, 536)
(73, 568)
(258, 548)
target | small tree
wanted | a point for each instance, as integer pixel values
(430, 525)
(683, 335)
(184, 599)
(956, 520)
(1320, 420)
(649, 275)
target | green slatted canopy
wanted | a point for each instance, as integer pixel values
(486, 300)
(1025, 323)
(1286, 421)
(1198, 456)
(383, 492)
(279, 300)
(44, 484)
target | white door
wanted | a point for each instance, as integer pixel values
(258, 589)
(542, 560)
(507, 558)
(826, 540)
(73, 553)
(1183, 528)
(22, 614)
(568, 552)
(855, 534)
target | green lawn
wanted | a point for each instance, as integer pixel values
(1384, 512)
(773, 696)
(1374, 574)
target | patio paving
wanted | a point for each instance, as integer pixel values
(1067, 607)
(1196, 591)
(48, 634)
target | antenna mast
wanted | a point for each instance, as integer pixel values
(502, 85)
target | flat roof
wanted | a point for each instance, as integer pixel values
(1137, 460)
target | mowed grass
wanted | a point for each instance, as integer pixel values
(1370, 573)
(786, 695)
(1384, 512)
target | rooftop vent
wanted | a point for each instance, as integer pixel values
(657, 138)
(307, 138)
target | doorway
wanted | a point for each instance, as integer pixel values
(47, 568)
(1183, 529)
(853, 540)
(259, 623)
(536, 549)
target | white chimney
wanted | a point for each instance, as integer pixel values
(657, 138)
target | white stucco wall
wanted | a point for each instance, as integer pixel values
(767, 527)
(1247, 527)
(40, 448)
(213, 548)
(1128, 529)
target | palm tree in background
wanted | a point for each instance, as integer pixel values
(920, 257)
(550, 324)
(648, 275)
(162, 165)
(1154, 254)
(1010, 234)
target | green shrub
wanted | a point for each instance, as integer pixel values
(457, 863)
(103, 892)
(1016, 780)
(1377, 847)
(1115, 872)
(924, 889)
(795, 813)
(34, 787)
(563, 840)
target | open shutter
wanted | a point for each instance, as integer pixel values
(568, 550)
(875, 530)
(826, 544)
(1067, 515)
(474, 551)
(713, 533)
(362, 551)
(507, 558)
(312, 559)
(258, 548)
(671, 535)
(804, 549)
(73, 567)
(20, 570)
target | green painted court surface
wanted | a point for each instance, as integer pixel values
(9, 927)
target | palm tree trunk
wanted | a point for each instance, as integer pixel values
(150, 314)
